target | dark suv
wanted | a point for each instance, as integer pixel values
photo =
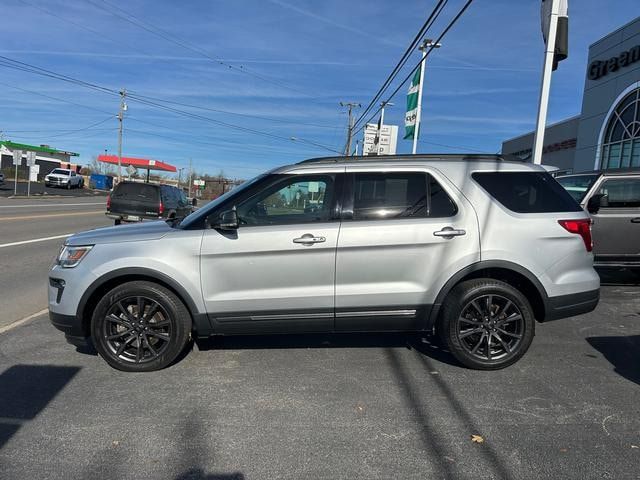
(135, 201)
(613, 200)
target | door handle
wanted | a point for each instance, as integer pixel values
(635, 220)
(449, 232)
(309, 239)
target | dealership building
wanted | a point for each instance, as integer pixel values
(606, 134)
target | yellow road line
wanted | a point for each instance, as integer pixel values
(51, 215)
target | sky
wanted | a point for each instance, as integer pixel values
(278, 69)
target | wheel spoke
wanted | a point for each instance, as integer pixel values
(119, 335)
(140, 302)
(161, 323)
(124, 344)
(113, 318)
(504, 309)
(149, 346)
(513, 317)
(503, 343)
(489, 345)
(152, 311)
(470, 331)
(125, 311)
(139, 351)
(472, 321)
(477, 307)
(504, 332)
(161, 336)
(489, 303)
(479, 342)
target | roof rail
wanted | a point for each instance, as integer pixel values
(497, 157)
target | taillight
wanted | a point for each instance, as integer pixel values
(580, 227)
(160, 209)
(109, 202)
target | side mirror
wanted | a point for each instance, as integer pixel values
(194, 202)
(227, 220)
(596, 202)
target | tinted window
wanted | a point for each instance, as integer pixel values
(399, 195)
(527, 192)
(577, 185)
(60, 171)
(296, 199)
(621, 193)
(136, 191)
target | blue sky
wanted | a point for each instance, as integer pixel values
(481, 87)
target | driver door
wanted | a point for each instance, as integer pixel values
(276, 272)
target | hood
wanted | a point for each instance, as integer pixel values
(122, 233)
(57, 175)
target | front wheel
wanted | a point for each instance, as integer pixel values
(487, 324)
(140, 327)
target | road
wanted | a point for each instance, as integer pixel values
(329, 407)
(24, 265)
(38, 189)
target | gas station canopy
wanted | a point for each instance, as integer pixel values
(145, 163)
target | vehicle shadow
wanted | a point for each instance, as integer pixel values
(622, 352)
(26, 390)
(425, 345)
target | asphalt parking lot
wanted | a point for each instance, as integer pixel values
(316, 406)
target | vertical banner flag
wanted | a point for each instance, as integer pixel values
(561, 48)
(412, 106)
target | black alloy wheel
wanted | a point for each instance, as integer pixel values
(140, 326)
(487, 324)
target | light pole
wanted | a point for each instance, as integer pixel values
(426, 44)
(123, 108)
(350, 106)
(180, 174)
(380, 125)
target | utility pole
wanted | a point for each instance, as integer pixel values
(123, 108)
(350, 106)
(426, 44)
(190, 173)
(376, 142)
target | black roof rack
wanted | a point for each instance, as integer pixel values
(497, 157)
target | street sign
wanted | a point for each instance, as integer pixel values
(17, 157)
(314, 187)
(198, 183)
(131, 170)
(387, 142)
(33, 173)
(31, 158)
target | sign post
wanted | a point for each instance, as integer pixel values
(31, 161)
(17, 160)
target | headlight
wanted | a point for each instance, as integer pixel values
(70, 256)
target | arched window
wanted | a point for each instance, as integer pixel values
(621, 142)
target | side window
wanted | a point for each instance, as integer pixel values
(399, 195)
(621, 193)
(295, 199)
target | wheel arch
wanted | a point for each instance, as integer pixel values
(102, 285)
(511, 273)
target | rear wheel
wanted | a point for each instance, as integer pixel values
(487, 324)
(140, 327)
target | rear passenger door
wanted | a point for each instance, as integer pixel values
(404, 232)
(616, 226)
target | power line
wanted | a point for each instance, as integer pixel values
(435, 13)
(159, 32)
(436, 42)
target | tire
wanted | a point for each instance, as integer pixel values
(69, 186)
(486, 324)
(117, 222)
(131, 344)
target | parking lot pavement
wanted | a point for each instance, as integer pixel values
(38, 189)
(373, 406)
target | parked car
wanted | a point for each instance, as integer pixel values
(63, 177)
(472, 248)
(136, 201)
(613, 200)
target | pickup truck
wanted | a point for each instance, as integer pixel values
(612, 198)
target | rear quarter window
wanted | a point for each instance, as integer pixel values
(527, 192)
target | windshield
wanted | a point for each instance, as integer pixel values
(577, 185)
(60, 171)
(204, 211)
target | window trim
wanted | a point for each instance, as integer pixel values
(274, 179)
(348, 200)
(604, 181)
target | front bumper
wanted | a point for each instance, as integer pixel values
(565, 306)
(72, 328)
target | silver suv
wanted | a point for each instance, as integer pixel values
(474, 249)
